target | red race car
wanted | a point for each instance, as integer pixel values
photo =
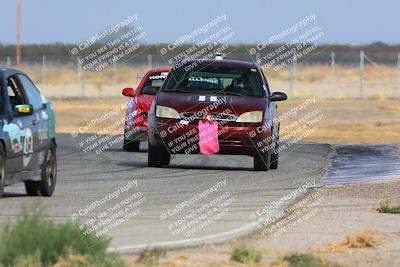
(138, 107)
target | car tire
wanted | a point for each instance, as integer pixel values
(46, 186)
(262, 161)
(275, 156)
(3, 172)
(158, 156)
(131, 146)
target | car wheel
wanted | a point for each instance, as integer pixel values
(2, 169)
(131, 146)
(46, 186)
(158, 156)
(262, 161)
(275, 156)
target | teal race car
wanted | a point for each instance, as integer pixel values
(27, 135)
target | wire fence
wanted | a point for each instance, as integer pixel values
(336, 75)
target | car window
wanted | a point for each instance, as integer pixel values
(32, 93)
(156, 79)
(265, 81)
(1, 99)
(15, 93)
(216, 80)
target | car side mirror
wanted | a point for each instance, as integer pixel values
(23, 110)
(278, 96)
(128, 91)
(150, 90)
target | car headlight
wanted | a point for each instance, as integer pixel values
(166, 112)
(251, 117)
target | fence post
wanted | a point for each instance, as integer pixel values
(258, 58)
(79, 77)
(294, 67)
(8, 62)
(292, 77)
(398, 67)
(44, 70)
(333, 65)
(361, 74)
(150, 61)
(114, 71)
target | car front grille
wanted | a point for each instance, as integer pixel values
(217, 116)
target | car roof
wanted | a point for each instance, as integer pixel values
(8, 71)
(158, 70)
(223, 62)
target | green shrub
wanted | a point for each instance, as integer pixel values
(245, 254)
(386, 207)
(306, 260)
(37, 237)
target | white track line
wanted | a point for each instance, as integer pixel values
(248, 228)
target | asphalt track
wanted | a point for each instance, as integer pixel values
(152, 217)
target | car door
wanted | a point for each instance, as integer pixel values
(40, 118)
(21, 131)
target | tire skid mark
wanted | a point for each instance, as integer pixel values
(363, 163)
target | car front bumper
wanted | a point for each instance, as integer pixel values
(234, 138)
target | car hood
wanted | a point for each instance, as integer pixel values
(184, 102)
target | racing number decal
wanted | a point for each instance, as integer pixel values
(20, 140)
(28, 147)
(16, 136)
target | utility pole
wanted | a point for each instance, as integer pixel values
(18, 42)
(362, 74)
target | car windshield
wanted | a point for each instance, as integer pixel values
(219, 80)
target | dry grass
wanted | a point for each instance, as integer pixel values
(361, 240)
(302, 260)
(344, 121)
(280, 263)
(318, 73)
(351, 121)
(74, 261)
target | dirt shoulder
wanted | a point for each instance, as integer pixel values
(329, 230)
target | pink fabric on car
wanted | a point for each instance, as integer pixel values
(208, 137)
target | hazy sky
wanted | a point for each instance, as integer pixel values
(72, 21)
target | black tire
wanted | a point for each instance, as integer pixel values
(46, 186)
(131, 146)
(275, 156)
(158, 157)
(3, 172)
(262, 161)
